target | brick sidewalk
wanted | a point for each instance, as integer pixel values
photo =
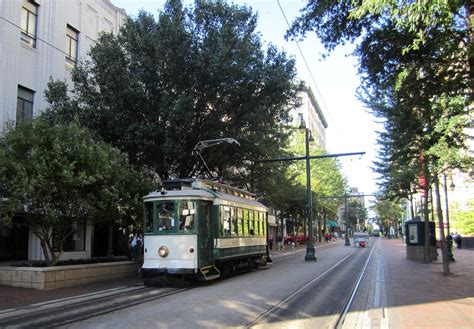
(420, 296)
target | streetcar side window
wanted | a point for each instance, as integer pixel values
(257, 223)
(225, 221)
(260, 221)
(240, 218)
(264, 223)
(235, 227)
(246, 222)
(148, 213)
(166, 216)
(251, 223)
(187, 213)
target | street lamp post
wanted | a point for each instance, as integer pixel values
(347, 243)
(447, 205)
(310, 254)
(449, 240)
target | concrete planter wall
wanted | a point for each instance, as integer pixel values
(65, 276)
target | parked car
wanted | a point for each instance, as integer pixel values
(300, 239)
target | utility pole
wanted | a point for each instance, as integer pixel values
(310, 252)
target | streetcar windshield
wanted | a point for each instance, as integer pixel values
(166, 216)
(187, 211)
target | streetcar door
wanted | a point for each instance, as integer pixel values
(205, 241)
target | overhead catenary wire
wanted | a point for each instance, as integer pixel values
(306, 64)
(38, 38)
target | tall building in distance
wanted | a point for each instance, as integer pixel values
(313, 116)
(43, 39)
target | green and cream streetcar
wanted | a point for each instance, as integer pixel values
(201, 229)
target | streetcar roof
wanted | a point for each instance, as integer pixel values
(232, 199)
(202, 194)
(173, 194)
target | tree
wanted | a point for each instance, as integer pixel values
(462, 219)
(326, 178)
(337, 22)
(420, 84)
(57, 177)
(192, 74)
(419, 17)
(388, 213)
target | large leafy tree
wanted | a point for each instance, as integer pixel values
(326, 178)
(388, 213)
(419, 17)
(415, 64)
(56, 177)
(336, 22)
(191, 74)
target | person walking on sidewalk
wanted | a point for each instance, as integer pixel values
(134, 246)
(458, 240)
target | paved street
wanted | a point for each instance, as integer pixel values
(396, 292)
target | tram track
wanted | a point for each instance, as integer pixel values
(71, 310)
(338, 318)
(289, 298)
(74, 309)
(350, 299)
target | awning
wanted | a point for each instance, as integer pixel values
(331, 223)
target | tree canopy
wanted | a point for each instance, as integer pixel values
(388, 214)
(57, 178)
(191, 74)
(415, 77)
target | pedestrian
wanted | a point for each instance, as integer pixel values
(270, 243)
(134, 246)
(458, 240)
(326, 237)
(140, 244)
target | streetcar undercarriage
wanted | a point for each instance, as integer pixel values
(221, 269)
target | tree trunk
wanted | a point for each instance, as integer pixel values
(110, 244)
(44, 248)
(444, 249)
(426, 213)
(320, 238)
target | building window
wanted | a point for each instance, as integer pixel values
(77, 240)
(71, 46)
(29, 16)
(24, 105)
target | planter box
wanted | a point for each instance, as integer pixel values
(65, 276)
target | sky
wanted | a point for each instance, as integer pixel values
(334, 80)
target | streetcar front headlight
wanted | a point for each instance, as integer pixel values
(163, 251)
